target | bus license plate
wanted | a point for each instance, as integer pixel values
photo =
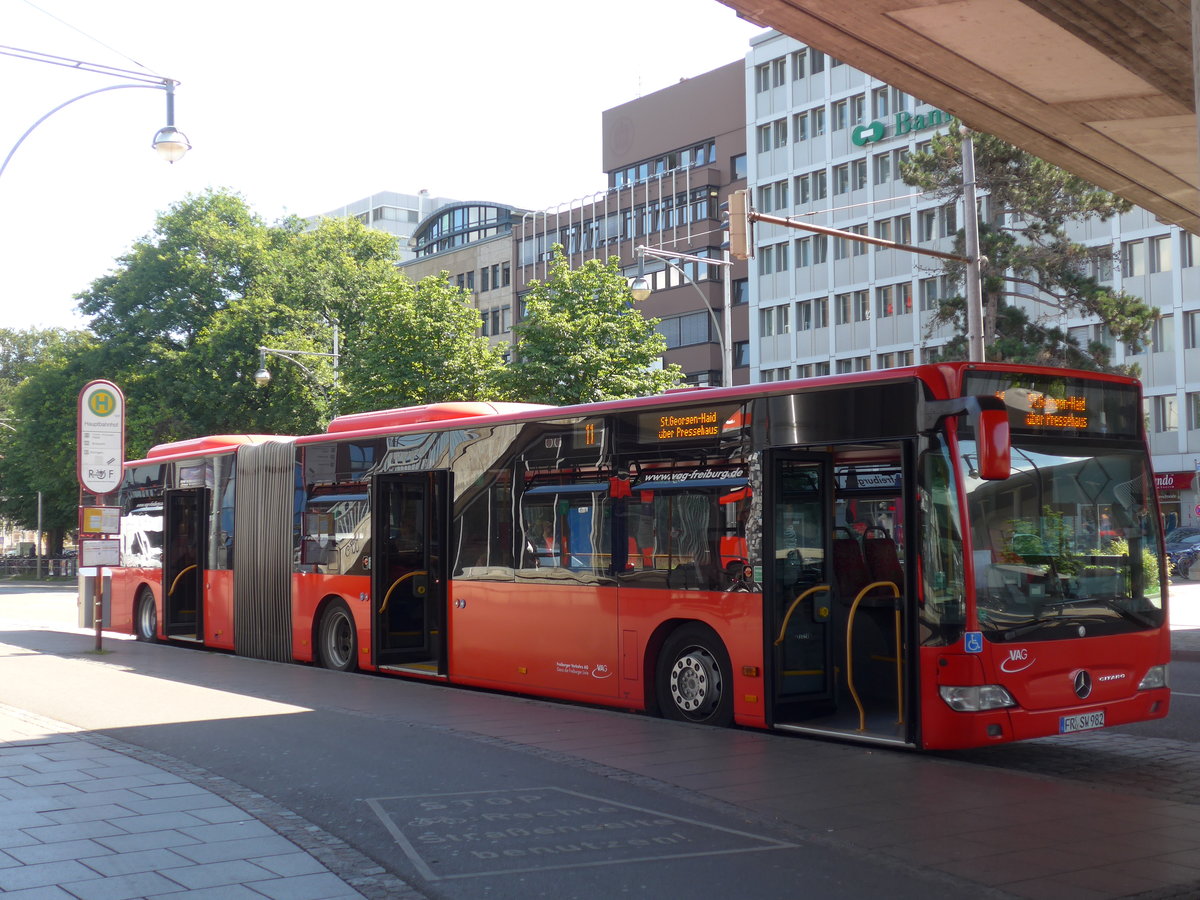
(1085, 722)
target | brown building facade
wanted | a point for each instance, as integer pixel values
(671, 158)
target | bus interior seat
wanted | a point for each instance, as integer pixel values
(882, 558)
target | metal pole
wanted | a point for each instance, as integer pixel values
(975, 335)
(39, 538)
(727, 318)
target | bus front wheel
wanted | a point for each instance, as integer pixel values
(694, 682)
(145, 617)
(337, 641)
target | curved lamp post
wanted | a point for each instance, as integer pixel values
(639, 288)
(170, 142)
(263, 376)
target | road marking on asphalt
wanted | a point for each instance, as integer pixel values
(1182, 694)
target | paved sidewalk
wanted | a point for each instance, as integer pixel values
(81, 820)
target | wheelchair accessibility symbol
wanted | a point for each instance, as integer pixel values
(973, 641)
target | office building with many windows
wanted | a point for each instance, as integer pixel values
(826, 141)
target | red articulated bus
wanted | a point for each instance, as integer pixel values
(942, 556)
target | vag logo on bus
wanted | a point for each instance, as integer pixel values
(1018, 661)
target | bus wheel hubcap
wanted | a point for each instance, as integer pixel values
(695, 681)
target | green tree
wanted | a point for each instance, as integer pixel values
(178, 323)
(418, 343)
(1030, 255)
(38, 448)
(582, 339)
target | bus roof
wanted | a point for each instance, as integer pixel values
(210, 443)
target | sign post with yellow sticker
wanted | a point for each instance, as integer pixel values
(100, 467)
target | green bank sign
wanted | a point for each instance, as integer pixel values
(903, 123)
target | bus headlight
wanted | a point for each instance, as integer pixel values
(976, 698)
(1156, 677)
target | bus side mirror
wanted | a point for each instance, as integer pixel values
(992, 441)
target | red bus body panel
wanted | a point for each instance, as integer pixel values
(1040, 676)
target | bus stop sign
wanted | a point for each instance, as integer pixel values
(101, 436)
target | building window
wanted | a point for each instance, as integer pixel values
(804, 315)
(816, 61)
(862, 306)
(803, 253)
(885, 301)
(781, 132)
(820, 248)
(1166, 417)
(821, 314)
(1189, 247)
(880, 107)
(859, 248)
(774, 320)
(858, 108)
(844, 306)
(1162, 335)
(932, 293)
(883, 167)
(1193, 411)
(903, 229)
(741, 354)
(858, 174)
(740, 288)
(926, 224)
(841, 114)
(1133, 258)
(800, 127)
(1160, 254)
(1191, 330)
(841, 179)
(948, 216)
(799, 65)
(762, 78)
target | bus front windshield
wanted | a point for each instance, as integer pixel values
(1067, 546)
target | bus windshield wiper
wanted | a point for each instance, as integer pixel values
(1124, 611)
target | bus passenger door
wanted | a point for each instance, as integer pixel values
(408, 584)
(797, 590)
(837, 621)
(184, 542)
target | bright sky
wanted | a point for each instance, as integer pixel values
(304, 107)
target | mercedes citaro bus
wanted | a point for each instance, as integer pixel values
(941, 556)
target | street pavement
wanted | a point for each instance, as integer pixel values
(112, 799)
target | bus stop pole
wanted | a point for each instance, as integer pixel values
(98, 607)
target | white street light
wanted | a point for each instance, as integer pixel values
(170, 142)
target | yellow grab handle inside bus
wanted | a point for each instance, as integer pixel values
(791, 609)
(177, 577)
(388, 595)
(862, 713)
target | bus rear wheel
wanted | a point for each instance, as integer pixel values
(145, 617)
(337, 641)
(694, 681)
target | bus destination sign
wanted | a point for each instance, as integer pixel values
(1046, 404)
(688, 424)
(1043, 411)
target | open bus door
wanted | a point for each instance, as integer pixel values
(184, 543)
(410, 519)
(836, 601)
